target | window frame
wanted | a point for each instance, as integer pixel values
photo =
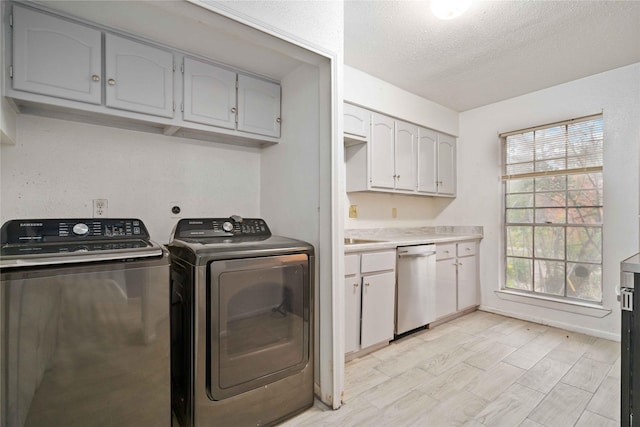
(534, 222)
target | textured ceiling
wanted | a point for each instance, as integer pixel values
(497, 50)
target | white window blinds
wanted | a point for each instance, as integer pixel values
(574, 146)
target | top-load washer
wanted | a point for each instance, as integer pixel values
(84, 317)
(242, 323)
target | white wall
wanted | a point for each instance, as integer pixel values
(56, 168)
(370, 92)
(615, 93)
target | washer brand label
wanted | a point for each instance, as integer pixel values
(30, 224)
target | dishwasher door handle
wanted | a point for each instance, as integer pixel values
(420, 255)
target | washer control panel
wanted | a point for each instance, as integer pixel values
(68, 230)
(222, 227)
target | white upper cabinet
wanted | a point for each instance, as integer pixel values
(446, 165)
(382, 148)
(390, 155)
(356, 121)
(405, 156)
(94, 73)
(139, 77)
(55, 57)
(427, 161)
(209, 94)
(258, 106)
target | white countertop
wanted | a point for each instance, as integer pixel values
(392, 242)
(631, 264)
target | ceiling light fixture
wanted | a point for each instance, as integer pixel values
(449, 9)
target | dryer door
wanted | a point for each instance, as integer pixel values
(258, 322)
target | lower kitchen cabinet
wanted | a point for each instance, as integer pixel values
(457, 284)
(370, 289)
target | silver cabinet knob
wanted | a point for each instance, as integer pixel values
(278, 120)
(111, 82)
(366, 284)
(95, 78)
(234, 110)
(355, 285)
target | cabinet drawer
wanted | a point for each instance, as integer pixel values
(351, 265)
(445, 251)
(378, 261)
(466, 248)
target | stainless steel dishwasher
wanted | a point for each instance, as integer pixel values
(415, 299)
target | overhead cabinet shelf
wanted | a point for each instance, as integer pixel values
(389, 155)
(57, 69)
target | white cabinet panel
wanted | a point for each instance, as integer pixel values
(352, 297)
(209, 94)
(356, 121)
(427, 161)
(378, 261)
(446, 165)
(378, 308)
(457, 283)
(52, 56)
(406, 136)
(258, 106)
(382, 148)
(446, 287)
(139, 77)
(468, 289)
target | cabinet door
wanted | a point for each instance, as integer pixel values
(445, 287)
(427, 161)
(209, 94)
(258, 106)
(351, 314)
(55, 57)
(381, 152)
(468, 292)
(139, 77)
(378, 308)
(406, 136)
(356, 121)
(446, 164)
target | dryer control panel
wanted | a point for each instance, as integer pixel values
(233, 226)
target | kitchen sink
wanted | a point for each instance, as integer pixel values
(354, 241)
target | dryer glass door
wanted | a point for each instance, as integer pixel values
(258, 322)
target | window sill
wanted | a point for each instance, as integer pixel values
(583, 308)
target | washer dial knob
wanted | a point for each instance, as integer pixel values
(80, 229)
(227, 226)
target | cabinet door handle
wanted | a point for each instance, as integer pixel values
(355, 285)
(398, 177)
(234, 110)
(111, 82)
(278, 120)
(95, 78)
(366, 284)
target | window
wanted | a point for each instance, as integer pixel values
(553, 209)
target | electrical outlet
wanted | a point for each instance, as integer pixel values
(175, 209)
(394, 213)
(100, 208)
(353, 211)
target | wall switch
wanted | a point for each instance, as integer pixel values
(353, 211)
(100, 208)
(394, 213)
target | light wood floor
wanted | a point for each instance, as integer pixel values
(481, 370)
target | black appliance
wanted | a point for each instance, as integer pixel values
(242, 323)
(84, 316)
(630, 337)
